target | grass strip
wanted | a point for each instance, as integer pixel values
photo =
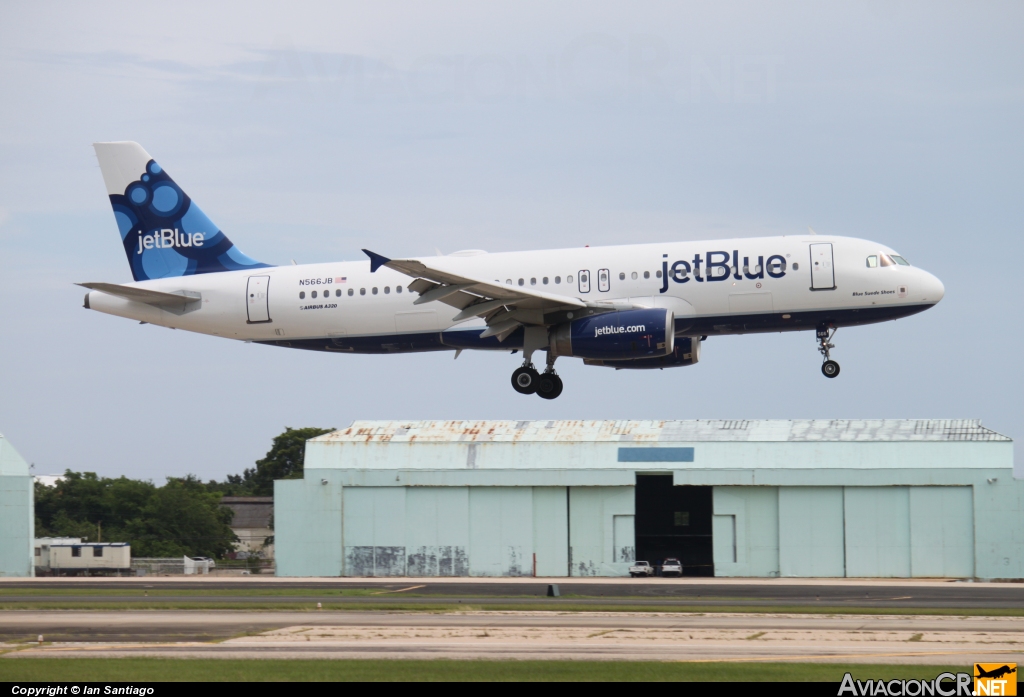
(197, 592)
(441, 670)
(410, 605)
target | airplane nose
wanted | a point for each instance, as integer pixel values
(934, 290)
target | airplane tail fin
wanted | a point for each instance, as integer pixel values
(164, 232)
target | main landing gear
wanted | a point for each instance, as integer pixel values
(546, 385)
(829, 368)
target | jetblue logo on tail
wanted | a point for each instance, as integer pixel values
(163, 239)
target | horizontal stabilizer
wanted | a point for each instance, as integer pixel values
(178, 302)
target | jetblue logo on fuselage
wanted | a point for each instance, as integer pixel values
(166, 238)
(720, 266)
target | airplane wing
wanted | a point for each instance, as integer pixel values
(166, 301)
(505, 308)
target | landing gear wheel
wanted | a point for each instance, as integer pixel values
(525, 379)
(825, 332)
(549, 386)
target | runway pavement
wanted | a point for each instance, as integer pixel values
(516, 635)
(783, 593)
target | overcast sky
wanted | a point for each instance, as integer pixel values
(310, 132)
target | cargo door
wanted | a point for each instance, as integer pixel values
(257, 300)
(822, 273)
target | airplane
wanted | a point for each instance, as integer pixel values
(635, 306)
(994, 673)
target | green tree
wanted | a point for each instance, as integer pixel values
(284, 460)
(180, 518)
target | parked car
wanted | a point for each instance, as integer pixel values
(211, 563)
(641, 568)
(671, 567)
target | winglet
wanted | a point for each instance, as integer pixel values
(376, 260)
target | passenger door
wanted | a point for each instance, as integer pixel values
(257, 299)
(822, 272)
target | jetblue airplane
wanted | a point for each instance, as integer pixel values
(636, 306)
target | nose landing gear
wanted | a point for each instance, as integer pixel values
(829, 368)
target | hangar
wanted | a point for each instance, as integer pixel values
(801, 498)
(17, 513)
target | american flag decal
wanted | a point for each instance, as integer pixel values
(340, 279)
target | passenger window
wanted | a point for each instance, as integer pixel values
(508, 281)
(398, 289)
(375, 290)
(313, 294)
(522, 282)
(568, 279)
(872, 261)
(633, 275)
(362, 291)
(647, 274)
(533, 281)
(302, 295)
(658, 274)
(387, 289)
(622, 275)
(545, 280)
(558, 280)
(337, 293)
(351, 292)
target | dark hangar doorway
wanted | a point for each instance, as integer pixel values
(674, 521)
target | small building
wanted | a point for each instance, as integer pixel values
(72, 558)
(251, 524)
(42, 550)
(802, 498)
(17, 513)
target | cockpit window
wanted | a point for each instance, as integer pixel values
(885, 260)
(900, 260)
(872, 261)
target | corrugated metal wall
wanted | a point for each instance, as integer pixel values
(865, 531)
(17, 522)
(328, 530)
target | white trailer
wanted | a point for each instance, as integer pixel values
(90, 557)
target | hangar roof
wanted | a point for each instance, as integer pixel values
(838, 430)
(11, 463)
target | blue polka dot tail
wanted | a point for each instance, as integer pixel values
(164, 232)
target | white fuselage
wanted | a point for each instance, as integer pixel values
(345, 301)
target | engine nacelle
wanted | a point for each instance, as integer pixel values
(620, 335)
(687, 352)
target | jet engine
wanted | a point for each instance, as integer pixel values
(686, 352)
(617, 336)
